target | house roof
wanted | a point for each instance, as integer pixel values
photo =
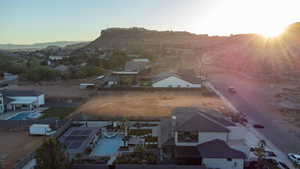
(211, 114)
(7, 100)
(219, 149)
(191, 119)
(163, 76)
(187, 152)
(141, 60)
(186, 77)
(135, 66)
(16, 93)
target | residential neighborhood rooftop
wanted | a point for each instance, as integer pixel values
(218, 149)
(191, 119)
(15, 93)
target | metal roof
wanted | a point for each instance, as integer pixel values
(186, 77)
(16, 93)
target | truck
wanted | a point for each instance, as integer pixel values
(41, 129)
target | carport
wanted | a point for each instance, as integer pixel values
(28, 104)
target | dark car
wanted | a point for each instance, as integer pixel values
(270, 154)
(283, 165)
(258, 126)
(231, 90)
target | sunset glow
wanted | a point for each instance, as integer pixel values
(212, 17)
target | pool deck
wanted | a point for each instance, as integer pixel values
(8, 115)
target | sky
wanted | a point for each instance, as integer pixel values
(33, 21)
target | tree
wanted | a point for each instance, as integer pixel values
(51, 155)
(38, 73)
(260, 152)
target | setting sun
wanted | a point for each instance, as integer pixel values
(272, 31)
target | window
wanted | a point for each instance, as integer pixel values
(185, 136)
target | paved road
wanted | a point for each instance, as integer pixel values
(251, 99)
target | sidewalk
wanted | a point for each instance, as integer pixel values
(253, 137)
(5, 116)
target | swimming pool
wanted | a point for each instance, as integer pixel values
(25, 116)
(107, 146)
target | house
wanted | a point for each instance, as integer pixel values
(107, 80)
(192, 127)
(56, 58)
(176, 80)
(78, 139)
(12, 100)
(7, 79)
(217, 154)
(196, 137)
(62, 68)
(137, 65)
(87, 85)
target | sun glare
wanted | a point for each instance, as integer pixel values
(272, 32)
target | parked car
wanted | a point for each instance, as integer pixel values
(258, 126)
(295, 158)
(283, 165)
(231, 90)
(270, 154)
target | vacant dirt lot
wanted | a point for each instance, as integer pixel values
(147, 104)
(15, 145)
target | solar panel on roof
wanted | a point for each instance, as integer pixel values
(86, 132)
(74, 145)
(75, 132)
(76, 138)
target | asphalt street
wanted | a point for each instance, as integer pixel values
(250, 100)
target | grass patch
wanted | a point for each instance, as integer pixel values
(139, 132)
(59, 112)
(151, 139)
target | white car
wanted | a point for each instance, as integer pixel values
(295, 158)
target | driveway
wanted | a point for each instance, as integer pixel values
(253, 98)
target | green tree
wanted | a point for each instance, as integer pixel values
(260, 152)
(38, 73)
(51, 156)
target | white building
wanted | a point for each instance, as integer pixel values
(217, 154)
(13, 100)
(201, 138)
(172, 80)
(194, 128)
(56, 58)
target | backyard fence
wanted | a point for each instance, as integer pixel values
(19, 125)
(21, 163)
(203, 89)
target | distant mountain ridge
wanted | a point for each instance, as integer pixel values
(38, 45)
(250, 53)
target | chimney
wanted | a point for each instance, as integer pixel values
(173, 123)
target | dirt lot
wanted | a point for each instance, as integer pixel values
(15, 145)
(147, 104)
